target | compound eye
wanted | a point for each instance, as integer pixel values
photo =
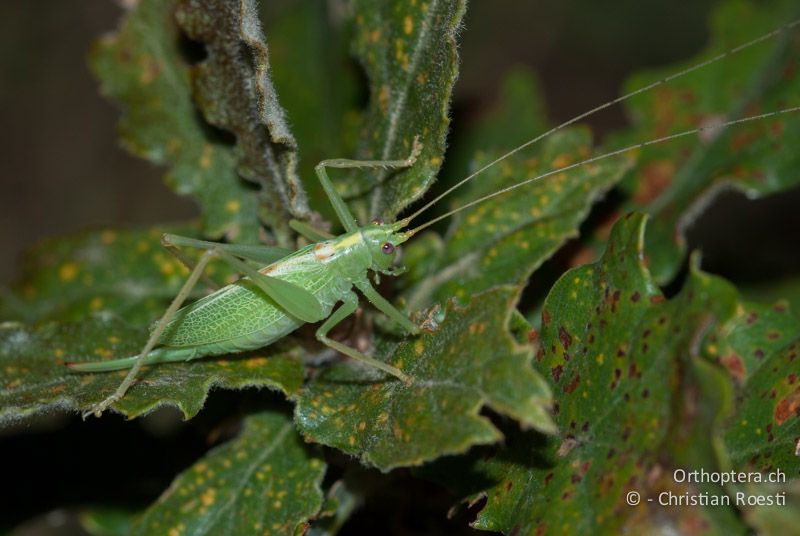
(378, 221)
(387, 248)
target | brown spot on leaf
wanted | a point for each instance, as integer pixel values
(573, 384)
(564, 337)
(735, 366)
(556, 371)
(788, 406)
(533, 336)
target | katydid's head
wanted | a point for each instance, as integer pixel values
(383, 240)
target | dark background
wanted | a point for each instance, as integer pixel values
(62, 171)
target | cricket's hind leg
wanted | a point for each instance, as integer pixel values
(98, 409)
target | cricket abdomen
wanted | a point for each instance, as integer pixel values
(241, 317)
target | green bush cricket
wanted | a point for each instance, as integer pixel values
(300, 287)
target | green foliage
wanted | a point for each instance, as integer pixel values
(266, 481)
(408, 50)
(621, 384)
(124, 271)
(233, 88)
(504, 239)
(468, 361)
(615, 349)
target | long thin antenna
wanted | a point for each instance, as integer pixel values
(405, 221)
(412, 232)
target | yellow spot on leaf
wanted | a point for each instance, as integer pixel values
(96, 303)
(408, 25)
(419, 346)
(255, 362)
(397, 431)
(208, 497)
(600, 358)
(561, 160)
(233, 206)
(167, 268)
(68, 271)
(383, 99)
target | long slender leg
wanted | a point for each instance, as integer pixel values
(342, 212)
(257, 253)
(349, 305)
(188, 263)
(313, 234)
(191, 281)
(383, 305)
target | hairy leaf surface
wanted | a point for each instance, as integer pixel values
(234, 90)
(408, 50)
